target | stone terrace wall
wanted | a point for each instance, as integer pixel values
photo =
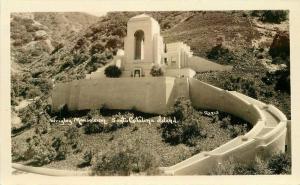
(150, 95)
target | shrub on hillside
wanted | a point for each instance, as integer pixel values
(80, 44)
(241, 84)
(182, 108)
(221, 54)
(97, 61)
(280, 164)
(283, 81)
(73, 137)
(225, 122)
(57, 46)
(231, 167)
(236, 130)
(68, 62)
(186, 132)
(274, 16)
(269, 78)
(23, 58)
(21, 31)
(21, 85)
(44, 84)
(234, 125)
(109, 54)
(187, 129)
(42, 156)
(33, 92)
(166, 26)
(113, 42)
(113, 71)
(276, 164)
(86, 159)
(192, 131)
(56, 143)
(280, 46)
(97, 48)
(60, 146)
(280, 80)
(36, 73)
(93, 113)
(120, 31)
(118, 121)
(126, 159)
(256, 13)
(93, 127)
(28, 118)
(156, 71)
(18, 151)
(61, 153)
(40, 151)
(98, 58)
(42, 128)
(280, 52)
(79, 58)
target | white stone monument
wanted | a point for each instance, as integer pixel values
(144, 48)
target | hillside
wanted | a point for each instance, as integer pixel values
(201, 30)
(36, 35)
(95, 45)
(85, 45)
(49, 48)
(64, 25)
(59, 26)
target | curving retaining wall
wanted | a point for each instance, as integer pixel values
(268, 135)
(265, 138)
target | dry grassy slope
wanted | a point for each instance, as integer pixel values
(59, 27)
(62, 25)
(201, 30)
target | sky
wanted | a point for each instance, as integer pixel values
(99, 14)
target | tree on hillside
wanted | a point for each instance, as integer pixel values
(274, 16)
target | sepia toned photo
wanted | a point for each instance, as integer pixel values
(150, 93)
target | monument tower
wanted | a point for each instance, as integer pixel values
(143, 45)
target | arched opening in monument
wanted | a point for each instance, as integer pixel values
(139, 45)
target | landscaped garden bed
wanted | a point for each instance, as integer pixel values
(128, 142)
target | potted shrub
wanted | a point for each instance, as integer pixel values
(112, 71)
(156, 71)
